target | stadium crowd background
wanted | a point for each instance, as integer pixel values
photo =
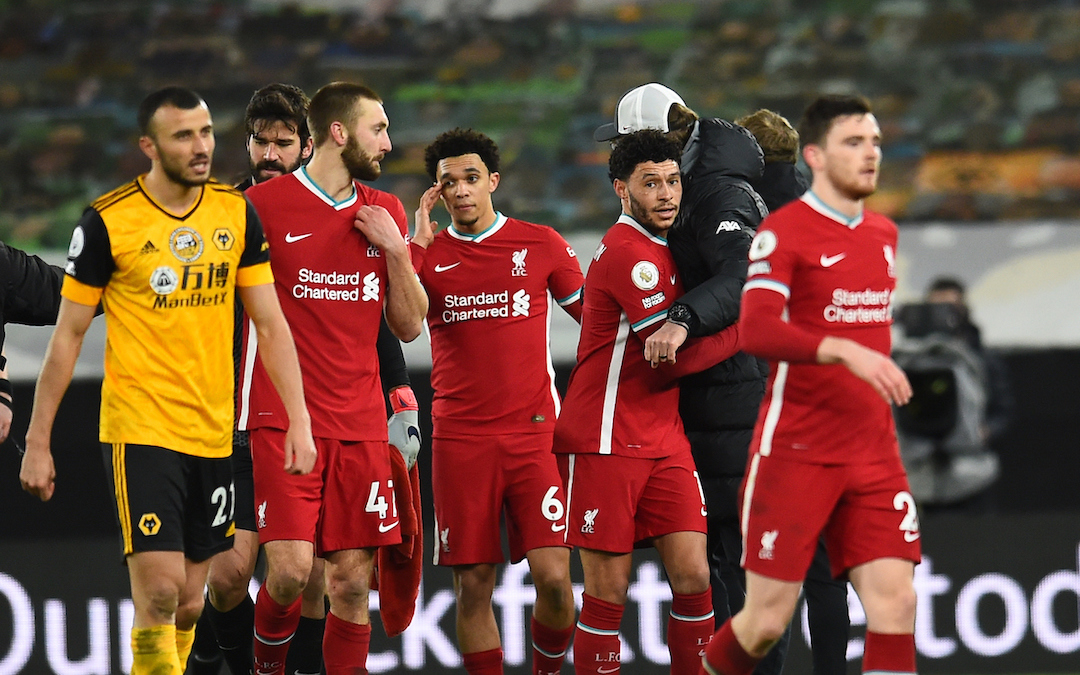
(980, 104)
(979, 100)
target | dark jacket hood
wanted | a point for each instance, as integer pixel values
(724, 149)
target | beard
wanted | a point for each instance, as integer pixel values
(175, 171)
(271, 165)
(644, 216)
(360, 165)
(853, 189)
(468, 222)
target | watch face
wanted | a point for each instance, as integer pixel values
(678, 312)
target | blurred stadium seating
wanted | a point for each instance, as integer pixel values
(979, 101)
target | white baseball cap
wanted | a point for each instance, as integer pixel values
(644, 107)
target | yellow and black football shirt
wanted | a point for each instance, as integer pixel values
(167, 284)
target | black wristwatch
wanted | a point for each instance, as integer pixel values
(680, 314)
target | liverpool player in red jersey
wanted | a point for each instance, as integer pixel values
(620, 442)
(492, 281)
(342, 263)
(279, 143)
(817, 304)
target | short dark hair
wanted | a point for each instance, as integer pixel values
(946, 284)
(336, 102)
(819, 116)
(458, 142)
(177, 97)
(647, 145)
(279, 102)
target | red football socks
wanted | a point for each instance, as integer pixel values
(549, 647)
(345, 646)
(725, 656)
(597, 650)
(274, 628)
(484, 663)
(889, 653)
(690, 627)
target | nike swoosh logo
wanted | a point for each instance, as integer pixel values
(387, 528)
(443, 268)
(605, 671)
(555, 527)
(289, 238)
(672, 279)
(910, 536)
(830, 260)
(413, 431)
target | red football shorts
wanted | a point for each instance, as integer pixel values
(615, 503)
(476, 479)
(346, 502)
(866, 511)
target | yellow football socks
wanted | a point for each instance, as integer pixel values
(184, 640)
(154, 652)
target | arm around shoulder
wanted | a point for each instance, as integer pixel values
(703, 353)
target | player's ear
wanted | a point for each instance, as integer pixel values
(309, 145)
(621, 188)
(493, 182)
(811, 153)
(338, 133)
(146, 144)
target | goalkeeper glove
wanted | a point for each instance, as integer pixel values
(403, 427)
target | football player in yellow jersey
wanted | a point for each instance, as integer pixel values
(165, 255)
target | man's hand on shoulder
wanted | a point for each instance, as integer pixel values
(380, 228)
(661, 346)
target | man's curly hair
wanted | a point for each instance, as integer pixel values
(458, 142)
(647, 145)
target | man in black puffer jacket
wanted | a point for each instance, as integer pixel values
(710, 243)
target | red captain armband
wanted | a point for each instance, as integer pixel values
(403, 398)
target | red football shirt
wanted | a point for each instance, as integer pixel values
(835, 276)
(331, 283)
(616, 402)
(489, 320)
